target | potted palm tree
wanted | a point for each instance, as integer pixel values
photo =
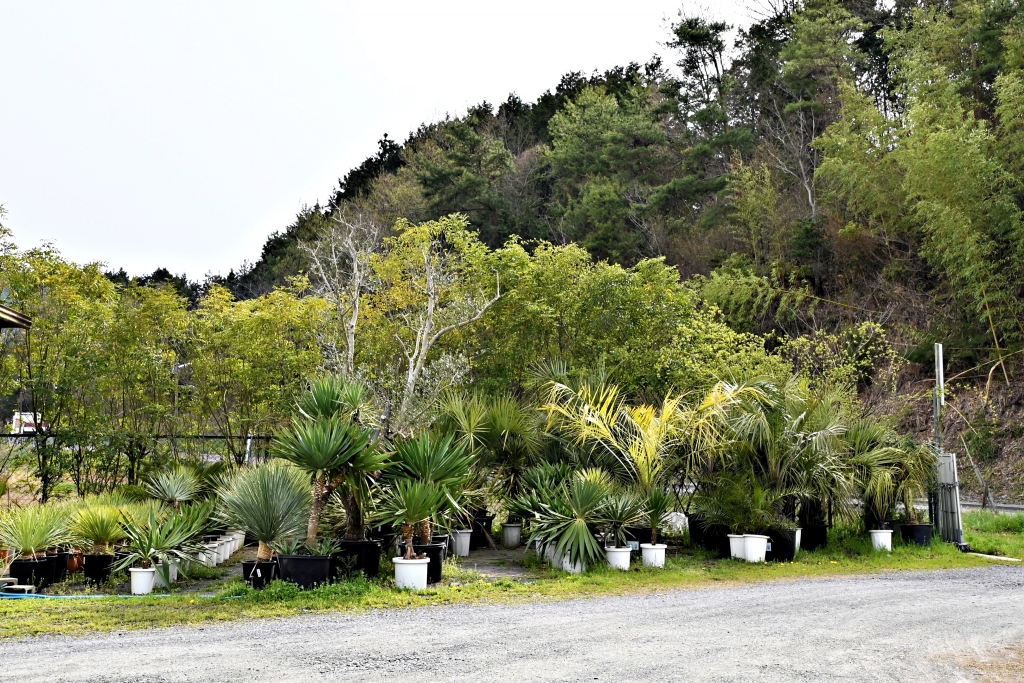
(98, 527)
(157, 544)
(271, 502)
(621, 511)
(406, 503)
(446, 465)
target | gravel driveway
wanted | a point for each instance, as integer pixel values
(897, 627)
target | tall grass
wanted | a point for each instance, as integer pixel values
(994, 523)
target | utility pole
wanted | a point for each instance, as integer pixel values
(947, 498)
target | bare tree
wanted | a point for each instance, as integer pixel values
(340, 269)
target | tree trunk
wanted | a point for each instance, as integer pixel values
(426, 532)
(319, 500)
(355, 526)
(407, 535)
(654, 534)
(264, 553)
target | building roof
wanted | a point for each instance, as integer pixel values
(11, 318)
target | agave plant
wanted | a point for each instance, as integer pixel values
(271, 501)
(406, 503)
(175, 486)
(31, 530)
(98, 526)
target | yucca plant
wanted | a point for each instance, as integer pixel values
(270, 501)
(175, 486)
(98, 526)
(571, 518)
(407, 502)
(30, 530)
(175, 539)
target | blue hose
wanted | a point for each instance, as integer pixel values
(20, 596)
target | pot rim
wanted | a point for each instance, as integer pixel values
(402, 560)
(654, 545)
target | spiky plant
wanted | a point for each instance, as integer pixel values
(620, 511)
(406, 503)
(154, 541)
(31, 530)
(571, 518)
(175, 486)
(271, 501)
(98, 526)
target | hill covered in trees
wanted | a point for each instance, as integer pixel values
(842, 177)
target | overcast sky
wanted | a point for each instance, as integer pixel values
(180, 135)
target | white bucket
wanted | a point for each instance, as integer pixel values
(754, 547)
(573, 567)
(462, 538)
(411, 574)
(172, 575)
(653, 554)
(618, 558)
(737, 547)
(512, 534)
(551, 554)
(796, 542)
(881, 539)
(142, 580)
(212, 554)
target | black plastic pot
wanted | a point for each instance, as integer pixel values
(918, 534)
(435, 552)
(639, 533)
(813, 536)
(27, 572)
(47, 571)
(61, 569)
(714, 538)
(354, 557)
(259, 573)
(479, 539)
(97, 568)
(783, 546)
(309, 571)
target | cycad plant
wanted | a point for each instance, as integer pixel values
(271, 501)
(31, 530)
(98, 526)
(408, 502)
(175, 486)
(335, 451)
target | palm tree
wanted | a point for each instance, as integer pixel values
(408, 502)
(888, 468)
(271, 501)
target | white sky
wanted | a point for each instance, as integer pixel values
(180, 135)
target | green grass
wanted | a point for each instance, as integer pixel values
(691, 569)
(995, 534)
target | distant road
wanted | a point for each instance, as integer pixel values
(895, 627)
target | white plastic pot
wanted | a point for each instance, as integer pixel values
(142, 580)
(172, 575)
(618, 558)
(881, 539)
(796, 542)
(512, 534)
(462, 537)
(411, 574)
(736, 547)
(653, 554)
(551, 554)
(754, 547)
(212, 554)
(573, 567)
(227, 547)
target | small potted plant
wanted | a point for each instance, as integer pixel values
(28, 532)
(271, 502)
(156, 544)
(406, 503)
(305, 565)
(658, 508)
(98, 527)
(619, 512)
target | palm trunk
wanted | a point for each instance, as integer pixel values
(264, 553)
(426, 532)
(319, 500)
(407, 535)
(355, 526)
(654, 535)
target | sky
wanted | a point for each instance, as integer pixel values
(180, 135)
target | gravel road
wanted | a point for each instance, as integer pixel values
(897, 627)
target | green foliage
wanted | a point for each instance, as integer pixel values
(271, 501)
(98, 525)
(32, 529)
(175, 486)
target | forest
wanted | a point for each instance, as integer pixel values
(815, 199)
